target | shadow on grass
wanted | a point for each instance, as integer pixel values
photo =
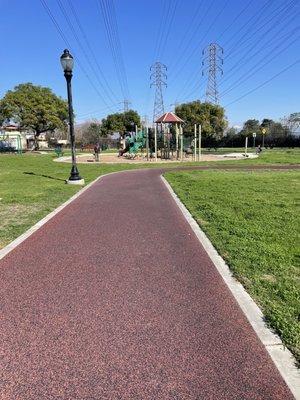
(44, 176)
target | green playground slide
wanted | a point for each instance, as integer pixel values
(136, 143)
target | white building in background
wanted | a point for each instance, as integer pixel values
(21, 140)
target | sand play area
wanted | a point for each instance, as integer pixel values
(112, 158)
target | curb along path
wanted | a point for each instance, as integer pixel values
(114, 298)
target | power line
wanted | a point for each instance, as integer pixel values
(235, 19)
(71, 26)
(119, 47)
(241, 43)
(264, 83)
(182, 54)
(107, 11)
(263, 61)
(166, 36)
(203, 37)
(104, 13)
(252, 56)
(97, 111)
(257, 17)
(66, 41)
(197, 88)
(74, 12)
(193, 76)
(160, 38)
(190, 26)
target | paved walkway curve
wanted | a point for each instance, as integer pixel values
(114, 298)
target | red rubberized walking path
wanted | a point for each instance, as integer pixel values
(114, 298)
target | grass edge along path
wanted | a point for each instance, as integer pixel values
(32, 185)
(252, 221)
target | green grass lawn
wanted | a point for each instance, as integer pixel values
(253, 220)
(281, 156)
(32, 185)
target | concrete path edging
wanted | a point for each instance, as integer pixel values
(281, 356)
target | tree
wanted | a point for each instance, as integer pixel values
(266, 123)
(250, 126)
(278, 130)
(121, 122)
(292, 122)
(34, 108)
(210, 116)
(92, 133)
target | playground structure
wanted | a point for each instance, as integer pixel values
(134, 143)
(165, 141)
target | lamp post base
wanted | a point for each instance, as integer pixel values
(75, 182)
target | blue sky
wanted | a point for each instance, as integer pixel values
(260, 38)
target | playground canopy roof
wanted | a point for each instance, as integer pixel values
(168, 117)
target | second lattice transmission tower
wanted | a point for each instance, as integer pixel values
(212, 63)
(159, 80)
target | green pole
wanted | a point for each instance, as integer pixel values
(195, 142)
(147, 142)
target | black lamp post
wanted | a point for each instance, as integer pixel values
(67, 64)
(132, 127)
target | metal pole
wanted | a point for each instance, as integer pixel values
(195, 142)
(246, 145)
(74, 176)
(155, 141)
(177, 133)
(147, 143)
(181, 143)
(199, 143)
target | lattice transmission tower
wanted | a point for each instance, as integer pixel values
(159, 80)
(126, 105)
(212, 63)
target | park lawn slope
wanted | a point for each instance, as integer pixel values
(253, 220)
(32, 185)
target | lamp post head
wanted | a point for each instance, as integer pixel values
(67, 62)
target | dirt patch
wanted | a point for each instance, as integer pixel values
(112, 158)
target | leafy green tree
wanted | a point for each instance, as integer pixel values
(266, 123)
(34, 108)
(251, 126)
(131, 118)
(278, 130)
(120, 122)
(210, 116)
(92, 133)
